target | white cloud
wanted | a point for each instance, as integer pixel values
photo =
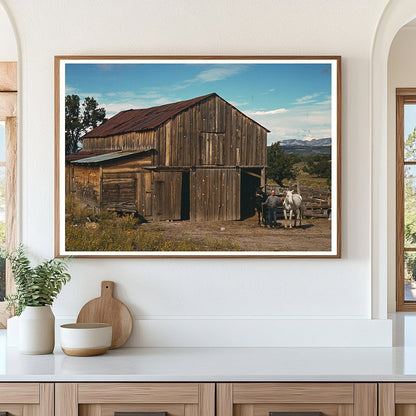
(70, 90)
(263, 113)
(304, 122)
(218, 73)
(307, 99)
(131, 100)
(268, 91)
(137, 96)
(324, 102)
(237, 104)
(82, 95)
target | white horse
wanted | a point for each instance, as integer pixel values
(292, 202)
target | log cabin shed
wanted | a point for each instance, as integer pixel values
(200, 159)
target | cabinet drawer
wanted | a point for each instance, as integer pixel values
(138, 393)
(145, 399)
(19, 393)
(27, 399)
(281, 399)
(397, 399)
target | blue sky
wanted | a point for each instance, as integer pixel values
(409, 119)
(292, 100)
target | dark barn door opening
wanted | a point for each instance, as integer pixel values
(185, 196)
(250, 181)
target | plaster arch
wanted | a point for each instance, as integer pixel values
(10, 45)
(396, 14)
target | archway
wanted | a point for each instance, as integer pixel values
(9, 49)
(396, 14)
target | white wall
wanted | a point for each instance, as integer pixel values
(218, 301)
(401, 74)
(8, 46)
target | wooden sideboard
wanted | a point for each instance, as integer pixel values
(208, 399)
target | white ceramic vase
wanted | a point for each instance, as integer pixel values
(13, 332)
(37, 330)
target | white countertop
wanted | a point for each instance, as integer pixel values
(221, 364)
(213, 364)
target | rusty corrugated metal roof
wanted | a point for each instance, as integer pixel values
(142, 119)
(105, 157)
(145, 119)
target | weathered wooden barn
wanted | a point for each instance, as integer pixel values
(200, 159)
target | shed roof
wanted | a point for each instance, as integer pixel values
(145, 119)
(106, 157)
(84, 154)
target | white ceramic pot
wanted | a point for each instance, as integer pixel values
(36, 330)
(85, 339)
(13, 332)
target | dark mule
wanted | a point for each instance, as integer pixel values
(261, 197)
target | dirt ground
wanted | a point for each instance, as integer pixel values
(313, 235)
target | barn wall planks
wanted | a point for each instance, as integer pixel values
(128, 166)
(85, 185)
(181, 141)
(119, 193)
(128, 141)
(167, 191)
(215, 193)
(211, 142)
(144, 194)
(110, 185)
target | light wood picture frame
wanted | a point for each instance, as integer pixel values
(162, 156)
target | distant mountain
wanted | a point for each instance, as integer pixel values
(307, 147)
(308, 143)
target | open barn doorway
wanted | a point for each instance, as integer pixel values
(250, 181)
(185, 197)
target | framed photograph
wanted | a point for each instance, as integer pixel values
(198, 156)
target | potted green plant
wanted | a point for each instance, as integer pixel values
(36, 289)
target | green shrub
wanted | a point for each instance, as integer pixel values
(35, 286)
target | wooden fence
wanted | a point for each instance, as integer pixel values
(316, 201)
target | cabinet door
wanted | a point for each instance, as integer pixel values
(26, 399)
(297, 399)
(135, 399)
(397, 399)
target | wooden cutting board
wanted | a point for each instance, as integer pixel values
(108, 310)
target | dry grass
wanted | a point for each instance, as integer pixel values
(106, 231)
(307, 180)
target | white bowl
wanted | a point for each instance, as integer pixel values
(83, 340)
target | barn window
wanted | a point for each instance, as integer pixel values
(8, 164)
(212, 149)
(406, 199)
